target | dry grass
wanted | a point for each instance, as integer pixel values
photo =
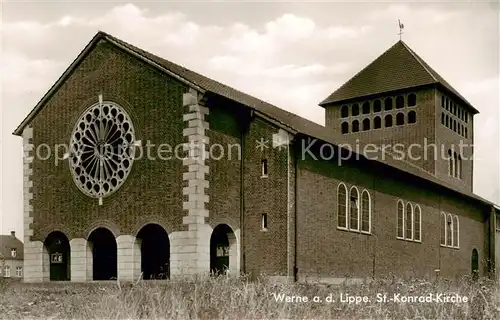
(227, 298)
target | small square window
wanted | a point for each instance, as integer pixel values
(13, 252)
(264, 168)
(264, 222)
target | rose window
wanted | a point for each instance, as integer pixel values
(102, 149)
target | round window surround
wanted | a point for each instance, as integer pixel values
(102, 150)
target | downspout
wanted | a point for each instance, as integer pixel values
(244, 130)
(296, 166)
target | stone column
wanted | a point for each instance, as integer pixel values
(129, 258)
(190, 250)
(80, 251)
(33, 250)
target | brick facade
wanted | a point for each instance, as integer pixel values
(189, 198)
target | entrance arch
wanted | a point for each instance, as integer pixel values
(475, 264)
(223, 250)
(155, 252)
(104, 260)
(58, 249)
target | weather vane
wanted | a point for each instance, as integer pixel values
(401, 27)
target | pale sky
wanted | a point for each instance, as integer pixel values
(291, 54)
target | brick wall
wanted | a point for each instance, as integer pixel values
(153, 188)
(405, 134)
(265, 251)
(323, 250)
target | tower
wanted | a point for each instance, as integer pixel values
(400, 102)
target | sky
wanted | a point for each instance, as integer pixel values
(292, 54)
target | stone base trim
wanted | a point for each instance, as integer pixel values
(333, 280)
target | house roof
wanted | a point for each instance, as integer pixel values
(8, 242)
(288, 120)
(397, 68)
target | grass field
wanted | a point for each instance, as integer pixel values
(226, 298)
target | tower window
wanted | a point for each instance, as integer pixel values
(388, 104)
(264, 168)
(442, 118)
(412, 100)
(388, 121)
(377, 123)
(466, 137)
(400, 119)
(355, 109)
(264, 222)
(355, 126)
(442, 101)
(345, 127)
(344, 111)
(412, 117)
(400, 102)
(377, 106)
(366, 107)
(366, 124)
(447, 121)
(455, 125)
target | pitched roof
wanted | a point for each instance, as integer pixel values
(292, 122)
(397, 68)
(8, 242)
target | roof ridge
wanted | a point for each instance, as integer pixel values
(419, 60)
(359, 72)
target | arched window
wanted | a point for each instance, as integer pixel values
(355, 126)
(466, 135)
(344, 111)
(417, 226)
(455, 125)
(355, 109)
(412, 100)
(447, 104)
(401, 220)
(409, 222)
(443, 229)
(400, 119)
(455, 231)
(366, 107)
(377, 106)
(442, 101)
(412, 117)
(366, 124)
(388, 121)
(442, 118)
(451, 163)
(447, 121)
(449, 230)
(345, 127)
(400, 102)
(475, 264)
(354, 209)
(366, 209)
(377, 122)
(342, 206)
(466, 116)
(459, 129)
(388, 104)
(459, 167)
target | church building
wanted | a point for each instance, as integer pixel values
(136, 167)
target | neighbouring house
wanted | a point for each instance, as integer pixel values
(227, 181)
(11, 256)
